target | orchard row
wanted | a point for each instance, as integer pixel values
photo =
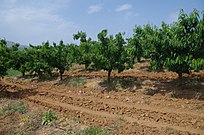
(178, 47)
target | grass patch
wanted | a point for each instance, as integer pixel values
(115, 84)
(1, 112)
(14, 107)
(11, 73)
(121, 118)
(77, 81)
(94, 131)
(169, 129)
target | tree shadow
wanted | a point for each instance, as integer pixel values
(44, 77)
(117, 83)
(89, 70)
(7, 91)
(187, 88)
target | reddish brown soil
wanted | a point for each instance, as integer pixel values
(127, 108)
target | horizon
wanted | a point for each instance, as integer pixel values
(37, 21)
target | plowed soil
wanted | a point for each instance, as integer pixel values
(141, 102)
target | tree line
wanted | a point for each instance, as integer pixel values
(177, 47)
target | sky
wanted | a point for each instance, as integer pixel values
(34, 21)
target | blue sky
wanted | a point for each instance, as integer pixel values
(35, 21)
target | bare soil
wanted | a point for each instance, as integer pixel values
(137, 101)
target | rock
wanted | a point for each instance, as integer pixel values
(63, 99)
(107, 96)
(193, 121)
(127, 99)
(142, 115)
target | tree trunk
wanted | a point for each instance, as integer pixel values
(61, 73)
(60, 76)
(40, 74)
(133, 60)
(180, 75)
(109, 75)
(23, 73)
(138, 59)
(86, 66)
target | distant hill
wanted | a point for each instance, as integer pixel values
(21, 47)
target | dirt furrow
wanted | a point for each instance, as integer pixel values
(184, 120)
(83, 112)
(100, 99)
(134, 111)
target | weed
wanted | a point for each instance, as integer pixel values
(15, 107)
(169, 129)
(146, 101)
(172, 95)
(25, 119)
(121, 118)
(113, 127)
(198, 95)
(94, 131)
(48, 117)
(135, 123)
(1, 113)
(11, 72)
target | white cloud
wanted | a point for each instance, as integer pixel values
(173, 17)
(94, 8)
(25, 24)
(123, 7)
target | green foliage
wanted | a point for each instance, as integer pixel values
(146, 40)
(18, 59)
(179, 47)
(160, 40)
(135, 44)
(12, 72)
(4, 58)
(94, 131)
(48, 117)
(39, 59)
(183, 50)
(61, 57)
(109, 53)
(15, 107)
(84, 49)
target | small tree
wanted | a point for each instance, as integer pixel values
(39, 59)
(160, 41)
(84, 49)
(110, 53)
(183, 49)
(4, 58)
(146, 40)
(61, 58)
(135, 44)
(18, 59)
